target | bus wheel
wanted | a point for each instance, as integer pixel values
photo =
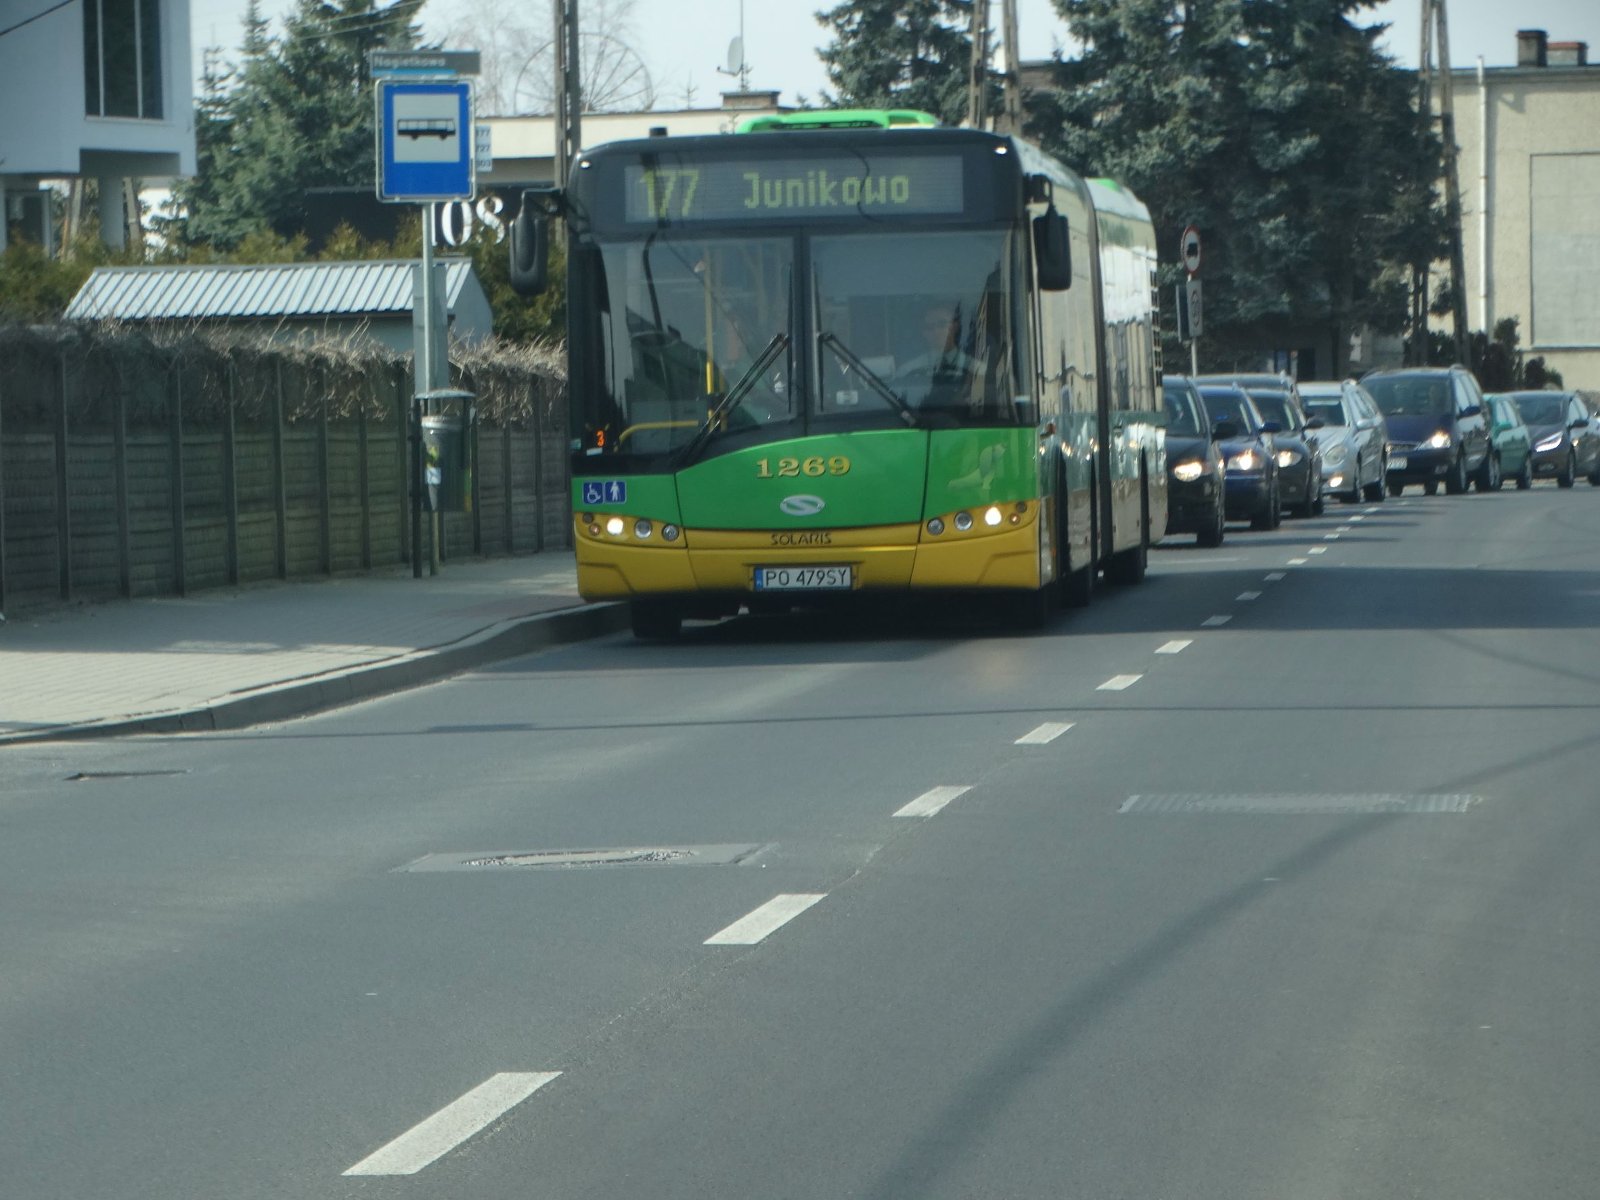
(655, 620)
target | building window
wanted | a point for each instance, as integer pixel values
(122, 58)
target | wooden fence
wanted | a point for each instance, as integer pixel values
(130, 467)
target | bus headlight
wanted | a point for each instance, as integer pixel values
(963, 521)
(992, 516)
(642, 528)
(615, 526)
(935, 526)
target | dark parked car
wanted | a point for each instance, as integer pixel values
(1566, 443)
(1249, 457)
(1299, 457)
(1510, 439)
(1437, 429)
(1354, 443)
(1195, 472)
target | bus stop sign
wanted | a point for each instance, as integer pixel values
(425, 140)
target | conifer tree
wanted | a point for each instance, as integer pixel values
(900, 54)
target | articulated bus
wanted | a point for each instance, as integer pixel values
(845, 354)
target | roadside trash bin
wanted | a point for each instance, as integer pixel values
(447, 454)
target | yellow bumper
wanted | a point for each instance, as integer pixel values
(885, 558)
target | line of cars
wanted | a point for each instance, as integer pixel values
(1247, 447)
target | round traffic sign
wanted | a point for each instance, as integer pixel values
(1189, 249)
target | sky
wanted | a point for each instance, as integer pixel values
(683, 42)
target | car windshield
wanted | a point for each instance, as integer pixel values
(1410, 395)
(1541, 408)
(1228, 404)
(1182, 417)
(1274, 406)
(1328, 408)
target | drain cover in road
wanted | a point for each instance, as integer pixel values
(1304, 803)
(726, 854)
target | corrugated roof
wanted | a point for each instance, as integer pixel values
(220, 291)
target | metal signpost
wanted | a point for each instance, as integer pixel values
(426, 154)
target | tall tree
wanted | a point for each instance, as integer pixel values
(296, 113)
(900, 54)
(1283, 132)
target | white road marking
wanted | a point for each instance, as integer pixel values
(1046, 733)
(1248, 596)
(774, 914)
(1317, 550)
(1298, 562)
(1329, 537)
(1274, 576)
(1358, 517)
(1367, 512)
(1177, 646)
(1346, 529)
(932, 800)
(453, 1124)
(1119, 683)
(1223, 619)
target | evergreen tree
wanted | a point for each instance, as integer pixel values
(296, 113)
(900, 54)
(1282, 132)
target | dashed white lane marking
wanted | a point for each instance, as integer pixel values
(1222, 619)
(1046, 733)
(774, 914)
(932, 800)
(453, 1124)
(1317, 550)
(1176, 646)
(1274, 576)
(1248, 596)
(1367, 512)
(1358, 517)
(1298, 562)
(1346, 528)
(1329, 537)
(1119, 683)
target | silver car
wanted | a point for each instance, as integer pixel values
(1354, 447)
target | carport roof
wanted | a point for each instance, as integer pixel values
(224, 291)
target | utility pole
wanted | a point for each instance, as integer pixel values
(1435, 25)
(978, 74)
(1009, 119)
(569, 92)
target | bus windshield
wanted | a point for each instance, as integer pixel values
(698, 340)
(926, 317)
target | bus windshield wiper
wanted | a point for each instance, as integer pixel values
(873, 381)
(735, 395)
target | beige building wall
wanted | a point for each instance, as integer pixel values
(1531, 209)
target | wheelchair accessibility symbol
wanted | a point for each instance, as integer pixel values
(605, 491)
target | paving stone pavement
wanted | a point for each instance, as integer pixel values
(234, 657)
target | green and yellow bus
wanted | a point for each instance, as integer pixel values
(854, 353)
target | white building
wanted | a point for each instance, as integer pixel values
(92, 89)
(1529, 170)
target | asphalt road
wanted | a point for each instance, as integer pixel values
(1296, 905)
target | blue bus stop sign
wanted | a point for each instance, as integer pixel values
(425, 140)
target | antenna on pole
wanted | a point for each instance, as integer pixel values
(737, 66)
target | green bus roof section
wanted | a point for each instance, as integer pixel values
(839, 118)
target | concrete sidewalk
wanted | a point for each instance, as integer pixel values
(230, 658)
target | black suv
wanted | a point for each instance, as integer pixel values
(1437, 430)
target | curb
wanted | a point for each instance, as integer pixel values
(336, 689)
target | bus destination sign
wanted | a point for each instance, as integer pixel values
(784, 189)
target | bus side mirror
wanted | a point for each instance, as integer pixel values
(1052, 251)
(530, 250)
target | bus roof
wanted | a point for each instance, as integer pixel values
(839, 118)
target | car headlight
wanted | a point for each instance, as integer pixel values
(1549, 443)
(1439, 440)
(1188, 472)
(1245, 460)
(1333, 455)
(1287, 458)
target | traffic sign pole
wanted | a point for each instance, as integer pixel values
(1189, 253)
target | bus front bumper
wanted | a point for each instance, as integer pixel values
(896, 558)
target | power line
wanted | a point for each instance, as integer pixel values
(36, 16)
